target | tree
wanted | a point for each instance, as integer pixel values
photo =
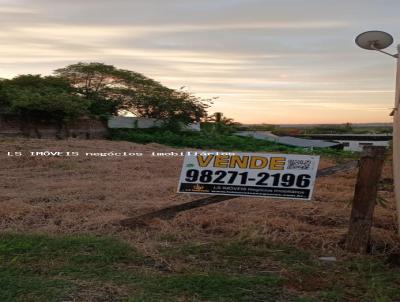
(219, 118)
(220, 124)
(34, 99)
(348, 127)
(4, 101)
(112, 90)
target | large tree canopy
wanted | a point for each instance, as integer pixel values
(112, 89)
(34, 98)
(98, 90)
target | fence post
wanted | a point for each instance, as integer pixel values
(364, 201)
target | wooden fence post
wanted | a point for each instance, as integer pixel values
(364, 201)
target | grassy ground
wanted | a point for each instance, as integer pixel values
(88, 268)
(246, 249)
(225, 142)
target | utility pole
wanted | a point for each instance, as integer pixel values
(378, 40)
(396, 142)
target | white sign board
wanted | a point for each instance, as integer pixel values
(249, 174)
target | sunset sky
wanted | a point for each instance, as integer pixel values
(287, 61)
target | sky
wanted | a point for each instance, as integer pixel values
(287, 61)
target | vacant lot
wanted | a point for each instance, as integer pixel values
(259, 249)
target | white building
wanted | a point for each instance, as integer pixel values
(356, 142)
(357, 146)
(130, 122)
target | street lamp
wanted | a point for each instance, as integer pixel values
(378, 40)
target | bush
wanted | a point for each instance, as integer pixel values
(215, 141)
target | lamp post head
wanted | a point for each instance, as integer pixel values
(374, 40)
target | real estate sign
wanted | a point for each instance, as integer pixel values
(249, 174)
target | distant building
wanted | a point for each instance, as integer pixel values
(356, 142)
(130, 122)
(347, 142)
(291, 141)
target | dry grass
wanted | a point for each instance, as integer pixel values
(91, 194)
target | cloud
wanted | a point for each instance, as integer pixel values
(267, 60)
